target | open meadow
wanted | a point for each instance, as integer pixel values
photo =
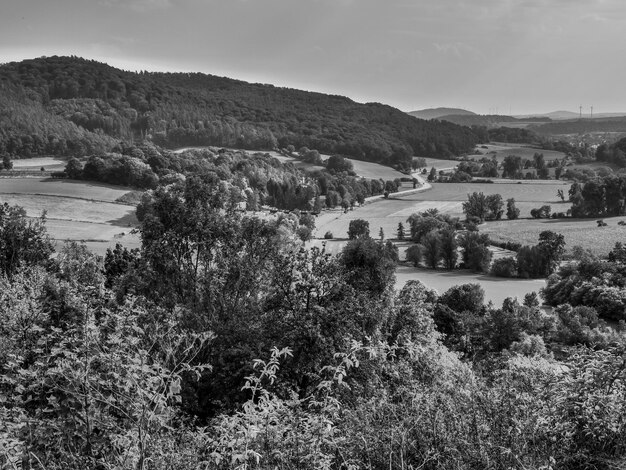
(447, 198)
(581, 232)
(75, 210)
(49, 164)
(503, 150)
(364, 169)
(496, 289)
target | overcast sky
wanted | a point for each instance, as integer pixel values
(516, 56)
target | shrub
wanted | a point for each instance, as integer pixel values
(328, 235)
(504, 267)
(601, 223)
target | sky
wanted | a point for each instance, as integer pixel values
(488, 56)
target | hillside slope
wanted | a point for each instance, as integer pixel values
(101, 104)
(437, 113)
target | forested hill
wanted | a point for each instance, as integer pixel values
(57, 104)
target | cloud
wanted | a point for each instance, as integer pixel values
(139, 5)
(458, 49)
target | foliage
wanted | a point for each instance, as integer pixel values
(476, 206)
(358, 228)
(542, 212)
(504, 267)
(22, 242)
(370, 264)
(512, 212)
(432, 244)
(150, 359)
(476, 254)
(415, 254)
(464, 298)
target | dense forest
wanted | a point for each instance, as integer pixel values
(224, 343)
(61, 105)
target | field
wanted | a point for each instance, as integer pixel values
(75, 210)
(440, 164)
(582, 232)
(364, 169)
(448, 198)
(496, 289)
(502, 150)
(50, 164)
(445, 197)
(61, 187)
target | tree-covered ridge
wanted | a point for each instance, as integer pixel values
(179, 109)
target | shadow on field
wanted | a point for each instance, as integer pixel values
(128, 220)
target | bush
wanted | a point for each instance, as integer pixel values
(542, 212)
(601, 223)
(504, 267)
(328, 235)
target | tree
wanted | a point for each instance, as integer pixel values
(381, 234)
(552, 245)
(432, 249)
(332, 199)
(358, 228)
(370, 265)
(476, 206)
(449, 248)
(339, 164)
(414, 254)
(476, 255)
(512, 212)
(495, 205)
(401, 233)
(432, 176)
(7, 164)
(74, 169)
(464, 298)
(512, 167)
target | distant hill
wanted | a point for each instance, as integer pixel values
(567, 115)
(437, 113)
(69, 105)
(486, 120)
(581, 126)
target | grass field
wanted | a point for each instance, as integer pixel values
(582, 232)
(502, 150)
(496, 289)
(61, 187)
(445, 197)
(75, 210)
(364, 169)
(50, 164)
